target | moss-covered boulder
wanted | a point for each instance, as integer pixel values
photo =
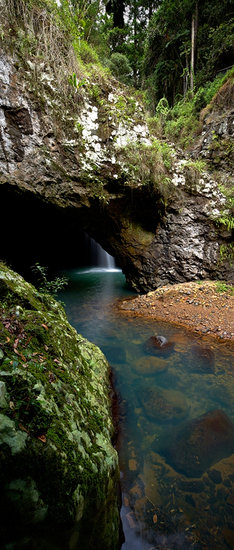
(58, 469)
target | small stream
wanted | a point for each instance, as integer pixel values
(175, 439)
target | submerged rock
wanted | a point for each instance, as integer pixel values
(158, 345)
(205, 360)
(164, 405)
(200, 443)
(58, 469)
(150, 365)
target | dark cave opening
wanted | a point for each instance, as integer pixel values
(33, 231)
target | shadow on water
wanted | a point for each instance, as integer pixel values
(176, 438)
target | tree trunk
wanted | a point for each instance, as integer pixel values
(135, 42)
(193, 44)
(186, 75)
(117, 8)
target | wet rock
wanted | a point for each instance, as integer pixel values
(150, 365)
(158, 345)
(204, 360)
(164, 405)
(200, 443)
(190, 500)
(229, 537)
(230, 499)
(215, 476)
(191, 486)
(181, 341)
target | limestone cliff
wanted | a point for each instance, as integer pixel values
(73, 138)
(58, 470)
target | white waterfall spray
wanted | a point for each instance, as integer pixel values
(100, 259)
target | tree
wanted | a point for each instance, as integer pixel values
(193, 43)
(180, 46)
(116, 7)
(130, 19)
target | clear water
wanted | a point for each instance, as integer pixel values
(168, 502)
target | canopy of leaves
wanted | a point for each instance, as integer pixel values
(166, 64)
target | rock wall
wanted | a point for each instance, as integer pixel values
(58, 469)
(159, 219)
(216, 141)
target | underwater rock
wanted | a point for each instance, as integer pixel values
(215, 476)
(200, 443)
(158, 345)
(150, 365)
(56, 456)
(181, 341)
(163, 405)
(205, 360)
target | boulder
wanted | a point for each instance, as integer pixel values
(58, 469)
(158, 345)
(150, 365)
(202, 359)
(163, 405)
(200, 443)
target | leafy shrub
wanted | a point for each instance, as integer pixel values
(182, 122)
(42, 283)
(149, 165)
(162, 107)
(224, 287)
(120, 67)
(87, 53)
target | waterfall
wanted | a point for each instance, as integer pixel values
(98, 257)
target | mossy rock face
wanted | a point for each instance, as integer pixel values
(58, 469)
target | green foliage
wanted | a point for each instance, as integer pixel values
(224, 287)
(120, 67)
(227, 216)
(162, 107)
(148, 165)
(226, 253)
(86, 52)
(167, 54)
(182, 122)
(226, 220)
(165, 152)
(44, 285)
(197, 165)
(73, 80)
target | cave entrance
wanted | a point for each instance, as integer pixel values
(58, 238)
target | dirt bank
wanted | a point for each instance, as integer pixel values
(204, 306)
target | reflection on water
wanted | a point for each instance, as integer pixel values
(176, 439)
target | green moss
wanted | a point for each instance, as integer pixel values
(56, 405)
